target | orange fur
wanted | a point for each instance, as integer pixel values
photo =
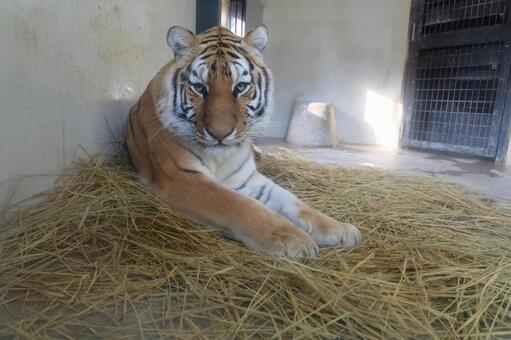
(160, 158)
(176, 166)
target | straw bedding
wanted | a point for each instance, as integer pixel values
(100, 256)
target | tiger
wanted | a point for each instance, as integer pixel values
(189, 138)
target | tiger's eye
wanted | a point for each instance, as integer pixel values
(241, 87)
(199, 88)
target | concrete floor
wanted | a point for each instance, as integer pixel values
(492, 180)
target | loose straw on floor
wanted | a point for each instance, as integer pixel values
(101, 256)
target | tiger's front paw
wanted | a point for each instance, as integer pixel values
(329, 232)
(337, 234)
(286, 240)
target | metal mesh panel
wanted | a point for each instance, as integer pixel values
(449, 15)
(455, 94)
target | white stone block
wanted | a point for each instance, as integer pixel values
(313, 124)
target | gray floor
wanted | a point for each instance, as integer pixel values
(492, 180)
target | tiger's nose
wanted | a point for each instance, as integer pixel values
(219, 135)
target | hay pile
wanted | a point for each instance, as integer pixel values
(101, 256)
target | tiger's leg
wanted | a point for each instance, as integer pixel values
(258, 227)
(323, 229)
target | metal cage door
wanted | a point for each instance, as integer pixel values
(457, 77)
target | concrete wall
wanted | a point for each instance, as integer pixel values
(254, 14)
(349, 52)
(68, 65)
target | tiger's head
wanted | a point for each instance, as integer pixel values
(217, 88)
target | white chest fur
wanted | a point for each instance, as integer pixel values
(230, 167)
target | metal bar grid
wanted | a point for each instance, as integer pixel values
(237, 14)
(450, 15)
(455, 93)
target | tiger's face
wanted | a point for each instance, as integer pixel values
(218, 88)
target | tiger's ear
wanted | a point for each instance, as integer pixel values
(180, 40)
(257, 38)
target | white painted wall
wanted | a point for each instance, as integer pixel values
(254, 14)
(348, 52)
(65, 67)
